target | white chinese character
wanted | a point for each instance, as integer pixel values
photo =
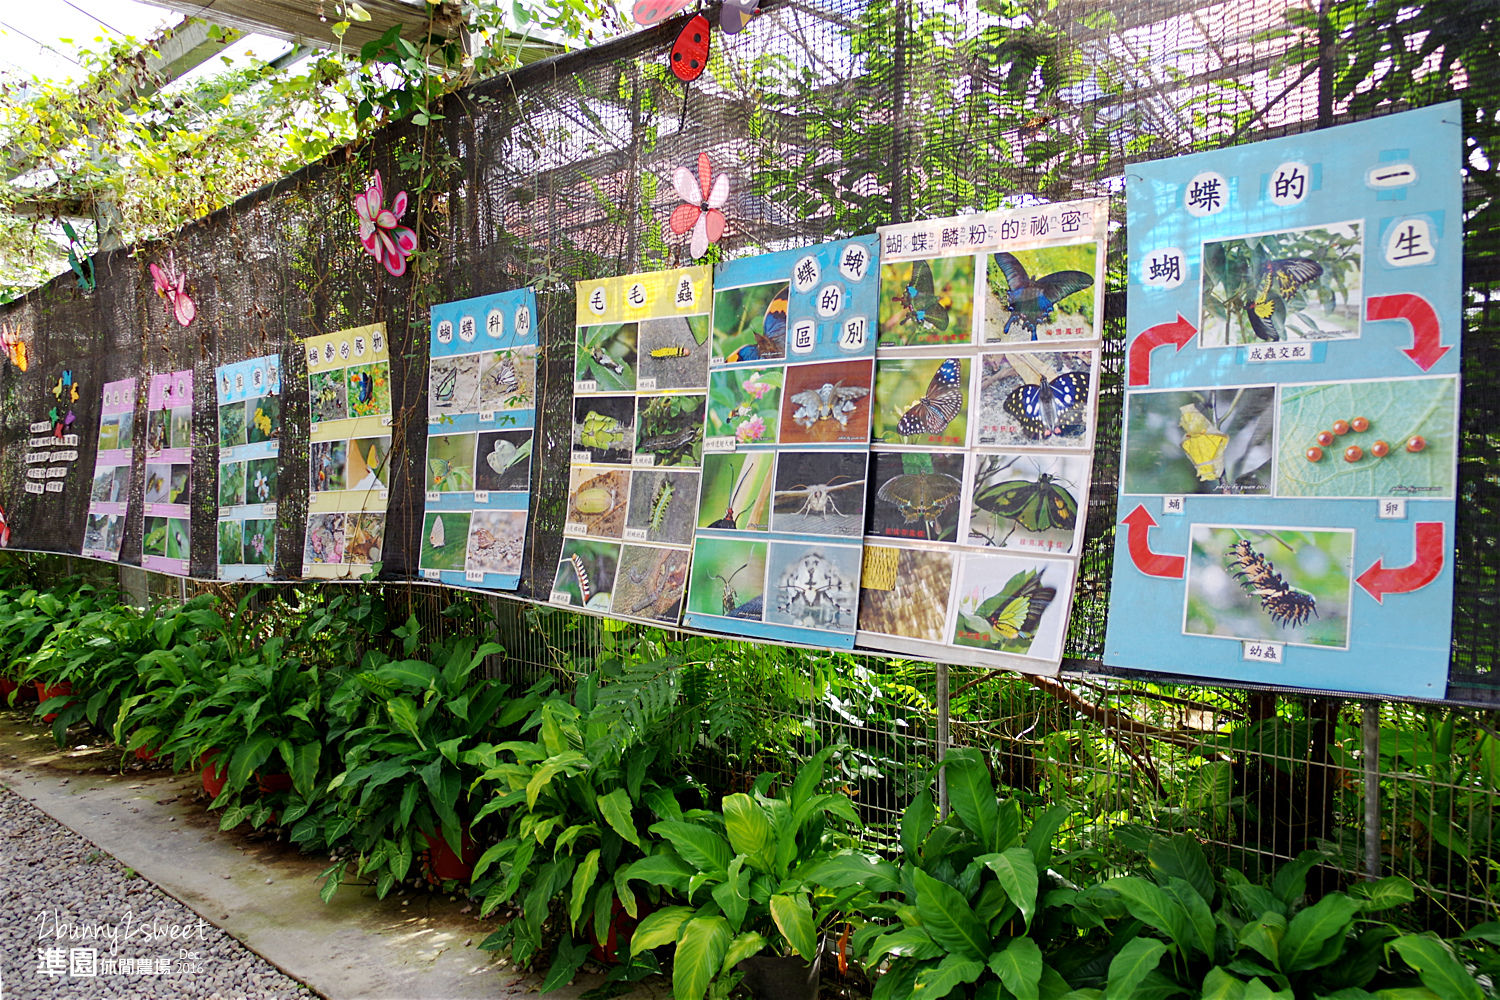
(467, 329)
(598, 300)
(494, 323)
(854, 263)
(52, 961)
(1289, 183)
(1409, 243)
(805, 274)
(830, 300)
(1164, 268)
(445, 332)
(83, 962)
(523, 321)
(856, 329)
(804, 336)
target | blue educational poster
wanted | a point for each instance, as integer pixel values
(786, 435)
(1289, 456)
(636, 456)
(986, 379)
(249, 422)
(481, 420)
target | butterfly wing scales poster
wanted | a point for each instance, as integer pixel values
(1289, 458)
(985, 386)
(481, 421)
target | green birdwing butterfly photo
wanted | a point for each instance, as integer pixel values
(1009, 619)
(1035, 506)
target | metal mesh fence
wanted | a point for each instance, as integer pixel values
(832, 117)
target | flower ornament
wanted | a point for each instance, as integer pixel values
(705, 197)
(14, 347)
(172, 286)
(379, 228)
(4, 530)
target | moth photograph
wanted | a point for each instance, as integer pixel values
(826, 403)
(921, 401)
(820, 493)
(1295, 284)
(813, 586)
(1290, 585)
(915, 495)
(1035, 398)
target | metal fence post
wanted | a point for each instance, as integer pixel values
(1371, 731)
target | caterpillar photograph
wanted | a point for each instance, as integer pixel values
(1288, 585)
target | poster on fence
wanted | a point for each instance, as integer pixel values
(986, 383)
(349, 478)
(249, 421)
(641, 382)
(481, 422)
(110, 494)
(1289, 458)
(786, 445)
(167, 537)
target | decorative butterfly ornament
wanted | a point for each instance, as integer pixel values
(172, 286)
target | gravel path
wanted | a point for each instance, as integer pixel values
(67, 909)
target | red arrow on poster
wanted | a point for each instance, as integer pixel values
(1178, 332)
(1379, 581)
(1138, 523)
(1426, 332)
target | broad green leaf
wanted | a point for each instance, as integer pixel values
(1264, 935)
(698, 845)
(583, 880)
(946, 916)
(1308, 931)
(972, 796)
(659, 928)
(1436, 966)
(663, 870)
(844, 870)
(1220, 985)
(570, 957)
(916, 823)
(1016, 871)
(1019, 967)
(733, 894)
(1043, 829)
(794, 918)
(617, 812)
(700, 955)
(937, 981)
(749, 830)
(742, 947)
(1151, 906)
(1255, 989)
(1385, 893)
(1139, 957)
(1200, 918)
(1180, 857)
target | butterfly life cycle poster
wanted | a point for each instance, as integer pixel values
(787, 444)
(481, 419)
(167, 540)
(248, 394)
(110, 493)
(349, 395)
(983, 424)
(641, 384)
(1289, 459)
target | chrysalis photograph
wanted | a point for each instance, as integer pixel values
(1200, 441)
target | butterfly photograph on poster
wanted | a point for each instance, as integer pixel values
(1024, 501)
(1297, 284)
(1035, 398)
(921, 401)
(1024, 615)
(750, 322)
(917, 495)
(1042, 294)
(926, 301)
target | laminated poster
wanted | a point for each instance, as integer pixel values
(249, 421)
(481, 418)
(787, 445)
(641, 370)
(986, 379)
(1289, 457)
(349, 399)
(166, 545)
(110, 493)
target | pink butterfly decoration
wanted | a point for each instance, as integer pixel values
(172, 286)
(4, 530)
(701, 213)
(379, 230)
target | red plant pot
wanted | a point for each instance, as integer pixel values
(214, 777)
(145, 753)
(6, 687)
(268, 783)
(621, 926)
(444, 864)
(43, 692)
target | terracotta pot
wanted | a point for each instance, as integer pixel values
(43, 692)
(214, 777)
(268, 783)
(444, 864)
(6, 687)
(145, 753)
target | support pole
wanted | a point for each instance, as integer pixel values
(940, 748)
(1371, 732)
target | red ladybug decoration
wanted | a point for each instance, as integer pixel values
(690, 51)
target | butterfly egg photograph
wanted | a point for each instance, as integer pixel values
(651, 582)
(450, 463)
(604, 426)
(1296, 284)
(597, 501)
(729, 578)
(1028, 501)
(1289, 585)
(673, 352)
(1200, 441)
(813, 587)
(749, 322)
(453, 385)
(826, 403)
(495, 541)
(1012, 604)
(745, 403)
(1041, 294)
(504, 460)
(607, 356)
(915, 494)
(1383, 438)
(1029, 398)
(507, 379)
(820, 493)
(927, 302)
(663, 506)
(904, 592)
(737, 488)
(443, 540)
(670, 429)
(921, 401)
